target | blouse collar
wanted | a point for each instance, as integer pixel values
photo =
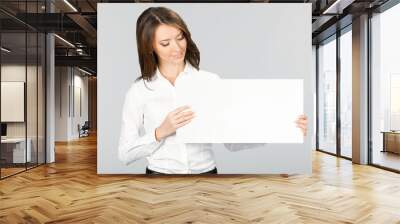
(187, 70)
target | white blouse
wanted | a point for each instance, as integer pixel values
(145, 108)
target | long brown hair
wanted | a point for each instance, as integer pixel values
(146, 26)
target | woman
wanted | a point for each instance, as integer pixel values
(166, 53)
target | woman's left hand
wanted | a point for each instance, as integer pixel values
(302, 123)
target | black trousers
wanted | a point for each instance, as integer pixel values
(149, 171)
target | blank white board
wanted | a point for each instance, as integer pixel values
(12, 101)
(241, 110)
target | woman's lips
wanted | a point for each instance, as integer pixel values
(178, 56)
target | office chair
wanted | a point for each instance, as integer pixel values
(84, 130)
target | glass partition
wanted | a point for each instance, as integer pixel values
(327, 96)
(32, 95)
(13, 109)
(41, 107)
(22, 77)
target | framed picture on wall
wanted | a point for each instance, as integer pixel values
(12, 101)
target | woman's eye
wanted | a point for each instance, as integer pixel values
(164, 45)
(181, 38)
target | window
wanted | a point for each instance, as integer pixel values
(346, 93)
(385, 89)
(327, 96)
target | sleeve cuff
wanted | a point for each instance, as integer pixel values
(153, 136)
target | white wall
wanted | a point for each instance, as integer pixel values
(68, 81)
(15, 72)
(61, 103)
(79, 117)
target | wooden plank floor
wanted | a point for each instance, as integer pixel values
(70, 191)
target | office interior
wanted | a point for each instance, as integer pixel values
(48, 82)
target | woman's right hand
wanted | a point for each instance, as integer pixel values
(174, 120)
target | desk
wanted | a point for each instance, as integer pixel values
(15, 148)
(391, 141)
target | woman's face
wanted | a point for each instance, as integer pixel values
(169, 44)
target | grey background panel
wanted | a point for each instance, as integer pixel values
(249, 40)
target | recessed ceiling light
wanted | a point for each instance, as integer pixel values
(5, 50)
(84, 71)
(64, 40)
(70, 5)
(338, 6)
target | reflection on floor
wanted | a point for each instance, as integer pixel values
(386, 159)
(346, 152)
(11, 169)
